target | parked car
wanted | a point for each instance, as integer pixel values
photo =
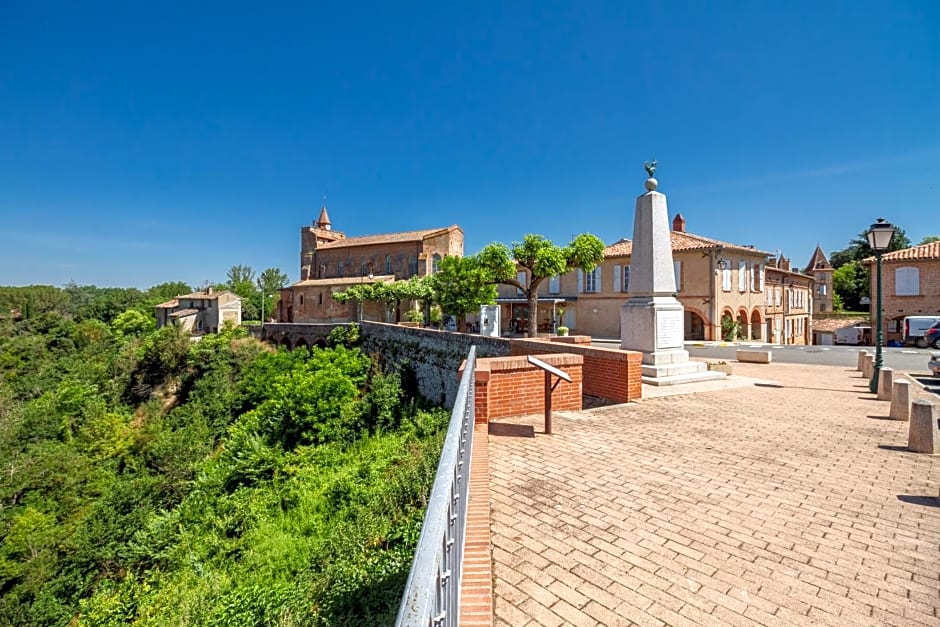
(932, 336)
(915, 327)
(934, 364)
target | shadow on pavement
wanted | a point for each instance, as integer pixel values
(511, 430)
(928, 501)
(892, 447)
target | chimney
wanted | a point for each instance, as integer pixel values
(678, 223)
(784, 263)
(209, 290)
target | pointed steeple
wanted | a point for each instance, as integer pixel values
(323, 222)
(818, 260)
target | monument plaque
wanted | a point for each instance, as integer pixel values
(669, 329)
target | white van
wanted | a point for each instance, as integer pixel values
(914, 327)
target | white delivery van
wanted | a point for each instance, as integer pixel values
(853, 335)
(914, 327)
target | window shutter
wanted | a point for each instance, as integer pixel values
(677, 271)
(617, 276)
(580, 280)
(553, 284)
(726, 279)
(761, 270)
(598, 285)
(742, 276)
(907, 282)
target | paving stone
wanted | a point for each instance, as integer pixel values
(701, 499)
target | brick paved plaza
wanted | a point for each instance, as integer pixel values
(789, 501)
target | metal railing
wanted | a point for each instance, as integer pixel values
(432, 594)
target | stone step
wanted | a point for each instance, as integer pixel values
(693, 377)
(672, 370)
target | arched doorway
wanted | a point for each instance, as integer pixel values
(756, 325)
(727, 326)
(301, 343)
(744, 324)
(694, 325)
(285, 342)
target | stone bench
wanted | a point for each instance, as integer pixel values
(754, 356)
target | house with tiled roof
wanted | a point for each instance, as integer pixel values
(715, 281)
(331, 262)
(911, 282)
(200, 312)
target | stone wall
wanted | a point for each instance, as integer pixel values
(427, 358)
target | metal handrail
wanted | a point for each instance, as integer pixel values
(432, 594)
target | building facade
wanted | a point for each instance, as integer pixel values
(911, 286)
(821, 271)
(331, 262)
(201, 312)
(720, 285)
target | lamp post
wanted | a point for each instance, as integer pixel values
(879, 238)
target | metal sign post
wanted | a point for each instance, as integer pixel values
(549, 387)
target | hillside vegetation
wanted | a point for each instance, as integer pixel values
(147, 479)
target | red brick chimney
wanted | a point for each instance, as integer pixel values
(678, 223)
(784, 263)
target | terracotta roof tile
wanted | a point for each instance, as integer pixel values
(834, 324)
(182, 313)
(386, 238)
(204, 296)
(818, 257)
(924, 251)
(680, 241)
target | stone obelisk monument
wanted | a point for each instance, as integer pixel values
(652, 321)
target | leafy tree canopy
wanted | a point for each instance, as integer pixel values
(542, 259)
(462, 286)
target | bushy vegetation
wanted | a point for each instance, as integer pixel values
(148, 479)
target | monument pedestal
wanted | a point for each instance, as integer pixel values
(654, 326)
(653, 320)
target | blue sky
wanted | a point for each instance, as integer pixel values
(146, 143)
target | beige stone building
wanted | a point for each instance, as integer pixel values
(821, 270)
(911, 282)
(715, 280)
(331, 262)
(201, 312)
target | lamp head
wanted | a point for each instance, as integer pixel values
(880, 234)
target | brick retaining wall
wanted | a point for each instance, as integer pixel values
(609, 373)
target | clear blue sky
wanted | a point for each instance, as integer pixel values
(141, 143)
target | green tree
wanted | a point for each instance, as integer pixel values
(541, 259)
(858, 249)
(929, 239)
(461, 287)
(241, 281)
(133, 322)
(270, 282)
(850, 283)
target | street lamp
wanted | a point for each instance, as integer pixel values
(879, 238)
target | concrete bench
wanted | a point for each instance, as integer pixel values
(754, 356)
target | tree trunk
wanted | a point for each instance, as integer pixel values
(533, 319)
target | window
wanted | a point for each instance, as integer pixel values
(339, 269)
(726, 279)
(822, 290)
(388, 264)
(320, 299)
(907, 282)
(677, 271)
(755, 277)
(435, 264)
(621, 278)
(777, 296)
(742, 276)
(554, 284)
(301, 300)
(761, 270)
(412, 266)
(591, 280)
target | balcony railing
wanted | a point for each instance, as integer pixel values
(432, 594)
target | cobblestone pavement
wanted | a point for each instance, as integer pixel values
(787, 501)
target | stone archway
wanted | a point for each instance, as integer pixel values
(301, 343)
(285, 342)
(727, 319)
(694, 325)
(756, 325)
(744, 324)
